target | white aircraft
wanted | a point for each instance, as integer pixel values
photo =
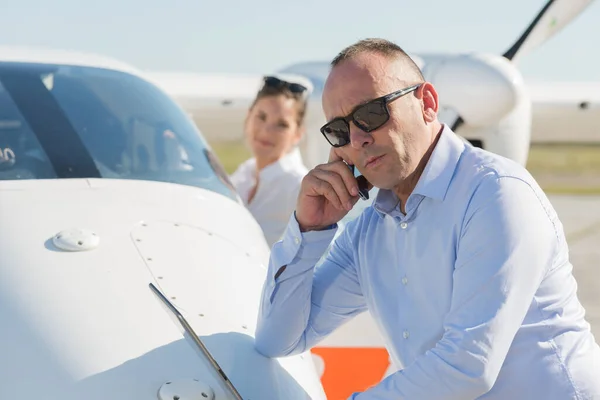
(129, 269)
(122, 239)
(565, 112)
(483, 97)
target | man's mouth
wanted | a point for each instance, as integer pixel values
(373, 161)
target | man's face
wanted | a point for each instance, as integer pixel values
(390, 154)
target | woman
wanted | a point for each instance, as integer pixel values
(269, 182)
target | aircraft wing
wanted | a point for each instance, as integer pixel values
(565, 112)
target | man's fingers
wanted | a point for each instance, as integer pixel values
(331, 195)
(338, 185)
(323, 188)
(333, 155)
(345, 172)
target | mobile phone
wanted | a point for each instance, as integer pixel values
(363, 184)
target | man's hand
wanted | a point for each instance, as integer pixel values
(327, 194)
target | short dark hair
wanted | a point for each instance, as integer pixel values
(378, 46)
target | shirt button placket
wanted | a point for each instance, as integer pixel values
(405, 334)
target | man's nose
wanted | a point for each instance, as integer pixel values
(358, 137)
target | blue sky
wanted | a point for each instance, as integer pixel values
(259, 36)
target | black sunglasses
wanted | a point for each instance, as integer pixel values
(367, 117)
(271, 81)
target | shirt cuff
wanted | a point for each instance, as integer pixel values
(306, 245)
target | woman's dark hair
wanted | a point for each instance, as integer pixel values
(273, 86)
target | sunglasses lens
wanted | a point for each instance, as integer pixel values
(296, 88)
(272, 81)
(337, 133)
(278, 83)
(371, 116)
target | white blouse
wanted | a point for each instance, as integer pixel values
(277, 192)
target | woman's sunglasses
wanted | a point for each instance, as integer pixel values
(271, 81)
(367, 117)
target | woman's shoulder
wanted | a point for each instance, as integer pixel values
(246, 164)
(298, 169)
(244, 171)
(295, 177)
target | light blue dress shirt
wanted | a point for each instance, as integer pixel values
(472, 289)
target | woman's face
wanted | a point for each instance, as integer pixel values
(272, 128)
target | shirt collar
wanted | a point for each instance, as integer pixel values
(292, 161)
(435, 179)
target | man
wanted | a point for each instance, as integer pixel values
(461, 259)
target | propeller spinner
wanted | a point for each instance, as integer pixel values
(553, 17)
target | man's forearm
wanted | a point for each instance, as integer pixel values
(286, 299)
(283, 316)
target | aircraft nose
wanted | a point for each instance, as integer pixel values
(482, 89)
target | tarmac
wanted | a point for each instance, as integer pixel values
(580, 216)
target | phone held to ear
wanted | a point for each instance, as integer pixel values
(363, 184)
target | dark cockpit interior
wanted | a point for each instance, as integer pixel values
(59, 122)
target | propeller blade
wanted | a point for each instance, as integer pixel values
(553, 17)
(457, 123)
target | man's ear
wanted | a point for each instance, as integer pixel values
(429, 102)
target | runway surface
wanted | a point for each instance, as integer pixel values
(580, 216)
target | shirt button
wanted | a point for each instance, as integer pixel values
(405, 334)
(296, 240)
(404, 280)
(403, 225)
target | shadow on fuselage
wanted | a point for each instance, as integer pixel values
(34, 366)
(254, 376)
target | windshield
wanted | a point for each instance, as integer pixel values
(82, 122)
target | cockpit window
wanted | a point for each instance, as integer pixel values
(21, 155)
(83, 122)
